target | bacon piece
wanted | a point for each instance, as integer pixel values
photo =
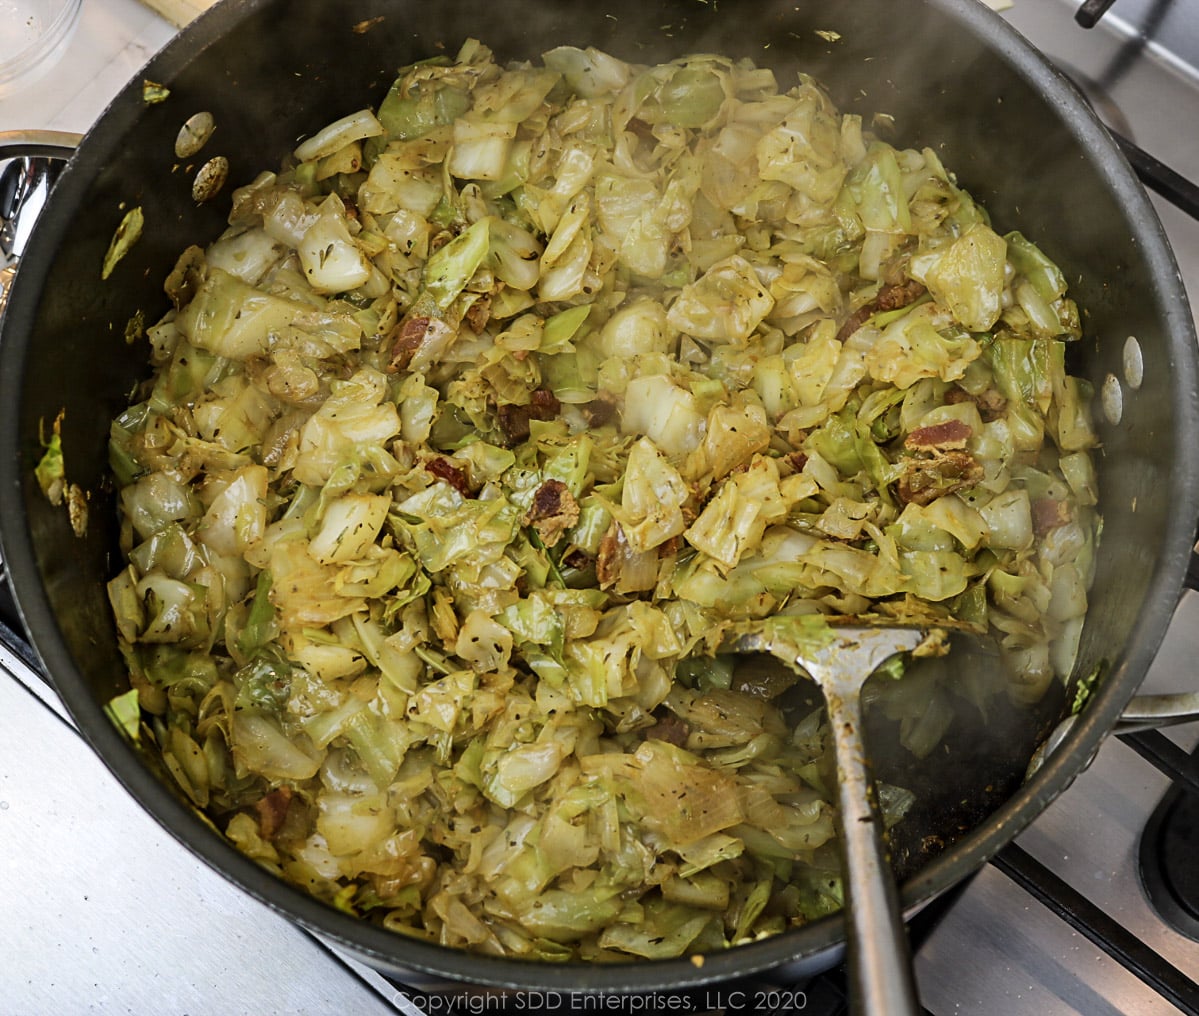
(577, 559)
(1049, 513)
(855, 321)
(410, 334)
(671, 729)
(925, 479)
(991, 404)
(891, 296)
(553, 512)
(478, 314)
(599, 411)
(607, 561)
(272, 810)
(895, 295)
(444, 469)
(514, 420)
(545, 404)
(952, 434)
(797, 460)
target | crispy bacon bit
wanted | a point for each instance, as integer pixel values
(890, 297)
(895, 295)
(671, 729)
(444, 469)
(797, 460)
(410, 334)
(599, 411)
(478, 314)
(926, 479)
(545, 402)
(670, 546)
(607, 561)
(514, 419)
(577, 559)
(1048, 513)
(272, 810)
(855, 321)
(991, 404)
(553, 512)
(952, 434)
(552, 498)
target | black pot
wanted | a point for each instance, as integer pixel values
(956, 78)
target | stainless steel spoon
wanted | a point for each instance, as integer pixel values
(839, 660)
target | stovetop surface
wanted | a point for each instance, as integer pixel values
(104, 912)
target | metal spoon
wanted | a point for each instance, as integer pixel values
(880, 966)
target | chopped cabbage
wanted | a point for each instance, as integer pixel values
(496, 409)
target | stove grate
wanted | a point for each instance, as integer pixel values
(1098, 927)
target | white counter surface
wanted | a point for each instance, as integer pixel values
(113, 40)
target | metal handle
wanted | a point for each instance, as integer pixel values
(30, 162)
(1148, 712)
(880, 966)
(1091, 11)
(1143, 712)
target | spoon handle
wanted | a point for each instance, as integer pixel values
(880, 967)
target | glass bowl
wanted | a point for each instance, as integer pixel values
(33, 36)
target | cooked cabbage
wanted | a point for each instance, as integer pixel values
(487, 417)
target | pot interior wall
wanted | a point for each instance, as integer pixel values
(273, 71)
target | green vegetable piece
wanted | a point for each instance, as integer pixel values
(877, 188)
(968, 279)
(563, 327)
(125, 713)
(411, 112)
(265, 682)
(127, 234)
(690, 97)
(260, 623)
(51, 470)
(153, 92)
(1030, 261)
(448, 271)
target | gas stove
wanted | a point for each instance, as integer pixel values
(1085, 913)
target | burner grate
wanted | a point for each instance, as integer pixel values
(1091, 11)
(1098, 927)
(1160, 178)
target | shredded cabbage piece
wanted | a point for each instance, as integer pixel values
(496, 409)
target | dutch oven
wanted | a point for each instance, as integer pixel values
(954, 76)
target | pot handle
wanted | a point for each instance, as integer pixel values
(1149, 712)
(30, 162)
(1143, 712)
